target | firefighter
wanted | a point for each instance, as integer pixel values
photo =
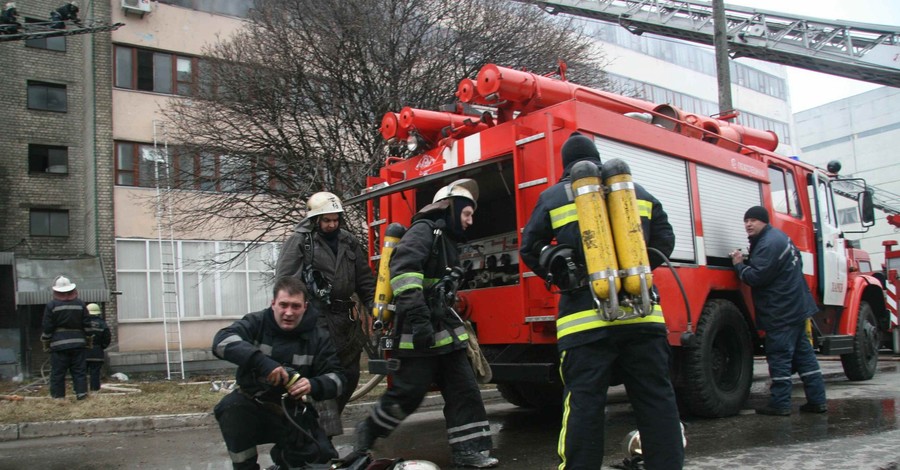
(591, 350)
(102, 337)
(9, 23)
(783, 304)
(64, 325)
(430, 337)
(334, 266)
(67, 12)
(282, 358)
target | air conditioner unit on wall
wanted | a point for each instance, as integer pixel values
(139, 7)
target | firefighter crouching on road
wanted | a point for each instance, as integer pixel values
(430, 338)
(64, 325)
(282, 358)
(102, 337)
(592, 350)
(333, 265)
(783, 304)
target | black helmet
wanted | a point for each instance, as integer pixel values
(561, 266)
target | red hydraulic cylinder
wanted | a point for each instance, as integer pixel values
(467, 92)
(390, 128)
(535, 91)
(430, 123)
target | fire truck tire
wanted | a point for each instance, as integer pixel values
(510, 393)
(862, 362)
(718, 370)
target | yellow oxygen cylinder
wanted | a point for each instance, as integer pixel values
(383, 294)
(625, 219)
(596, 237)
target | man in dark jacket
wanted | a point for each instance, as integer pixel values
(430, 338)
(283, 360)
(64, 324)
(334, 266)
(593, 350)
(783, 303)
(99, 330)
(9, 22)
(67, 12)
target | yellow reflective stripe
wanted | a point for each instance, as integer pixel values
(589, 320)
(406, 281)
(645, 208)
(442, 338)
(563, 215)
(430, 281)
(561, 445)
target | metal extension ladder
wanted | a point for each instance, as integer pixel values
(168, 257)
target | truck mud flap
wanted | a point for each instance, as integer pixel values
(836, 344)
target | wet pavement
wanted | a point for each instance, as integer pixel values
(860, 432)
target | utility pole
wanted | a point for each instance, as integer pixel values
(723, 71)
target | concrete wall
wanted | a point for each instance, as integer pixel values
(862, 133)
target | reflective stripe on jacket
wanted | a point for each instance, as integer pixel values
(64, 324)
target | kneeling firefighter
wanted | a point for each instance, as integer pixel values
(430, 338)
(609, 321)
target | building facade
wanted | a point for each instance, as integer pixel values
(860, 132)
(55, 174)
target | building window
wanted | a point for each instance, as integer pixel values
(48, 159)
(212, 280)
(136, 164)
(49, 223)
(784, 192)
(47, 96)
(53, 44)
(159, 72)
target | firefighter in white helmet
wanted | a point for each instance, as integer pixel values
(102, 337)
(593, 350)
(64, 324)
(430, 339)
(334, 266)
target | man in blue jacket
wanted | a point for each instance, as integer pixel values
(64, 336)
(783, 303)
(283, 359)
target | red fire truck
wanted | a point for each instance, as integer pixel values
(705, 171)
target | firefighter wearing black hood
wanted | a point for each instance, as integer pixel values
(592, 350)
(282, 358)
(430, 339)
(334, 266)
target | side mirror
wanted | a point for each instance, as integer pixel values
(866, 208)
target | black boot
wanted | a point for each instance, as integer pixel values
(474, 459)
(365, 436)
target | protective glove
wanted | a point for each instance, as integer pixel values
(422, 331)
(46, 344)
(90, 341)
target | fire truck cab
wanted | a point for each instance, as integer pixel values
(706, 172)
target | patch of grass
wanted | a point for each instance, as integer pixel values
(154, 398)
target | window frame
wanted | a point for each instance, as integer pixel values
(44, 42)
(46, 86)
(50, 214)
(175, 83)
(33, 154)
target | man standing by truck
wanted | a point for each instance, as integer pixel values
(783, 303)
(592, 350)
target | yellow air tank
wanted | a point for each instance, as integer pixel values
(625, 219)
(596, 237)
(383, 293)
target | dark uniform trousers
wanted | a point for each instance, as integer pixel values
(246, 423)
(467, 425)
(336, 318)
(640, 360)
(788, 349)
(64, 361)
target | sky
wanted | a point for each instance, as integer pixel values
(810, 89)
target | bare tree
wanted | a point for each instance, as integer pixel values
(292, 103)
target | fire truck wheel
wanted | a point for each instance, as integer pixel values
(510, 393)
(718, 371)
(532, 394)
(862, 362)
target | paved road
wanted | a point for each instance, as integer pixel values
(860, 432)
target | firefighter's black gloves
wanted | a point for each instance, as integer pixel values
(422, 331)
(45, 343)
(89, 341)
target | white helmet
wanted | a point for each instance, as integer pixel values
(323, 203)
(416, 465)
(93, 309)
(63, 284)
(465, 187)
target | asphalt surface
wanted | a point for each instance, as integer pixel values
(831, 367)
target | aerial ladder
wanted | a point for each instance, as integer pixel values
(42, 30)
(860, 51)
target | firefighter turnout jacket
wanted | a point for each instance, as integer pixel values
(65, 323)
(258, 346)
(555, 217)
(418, 265)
